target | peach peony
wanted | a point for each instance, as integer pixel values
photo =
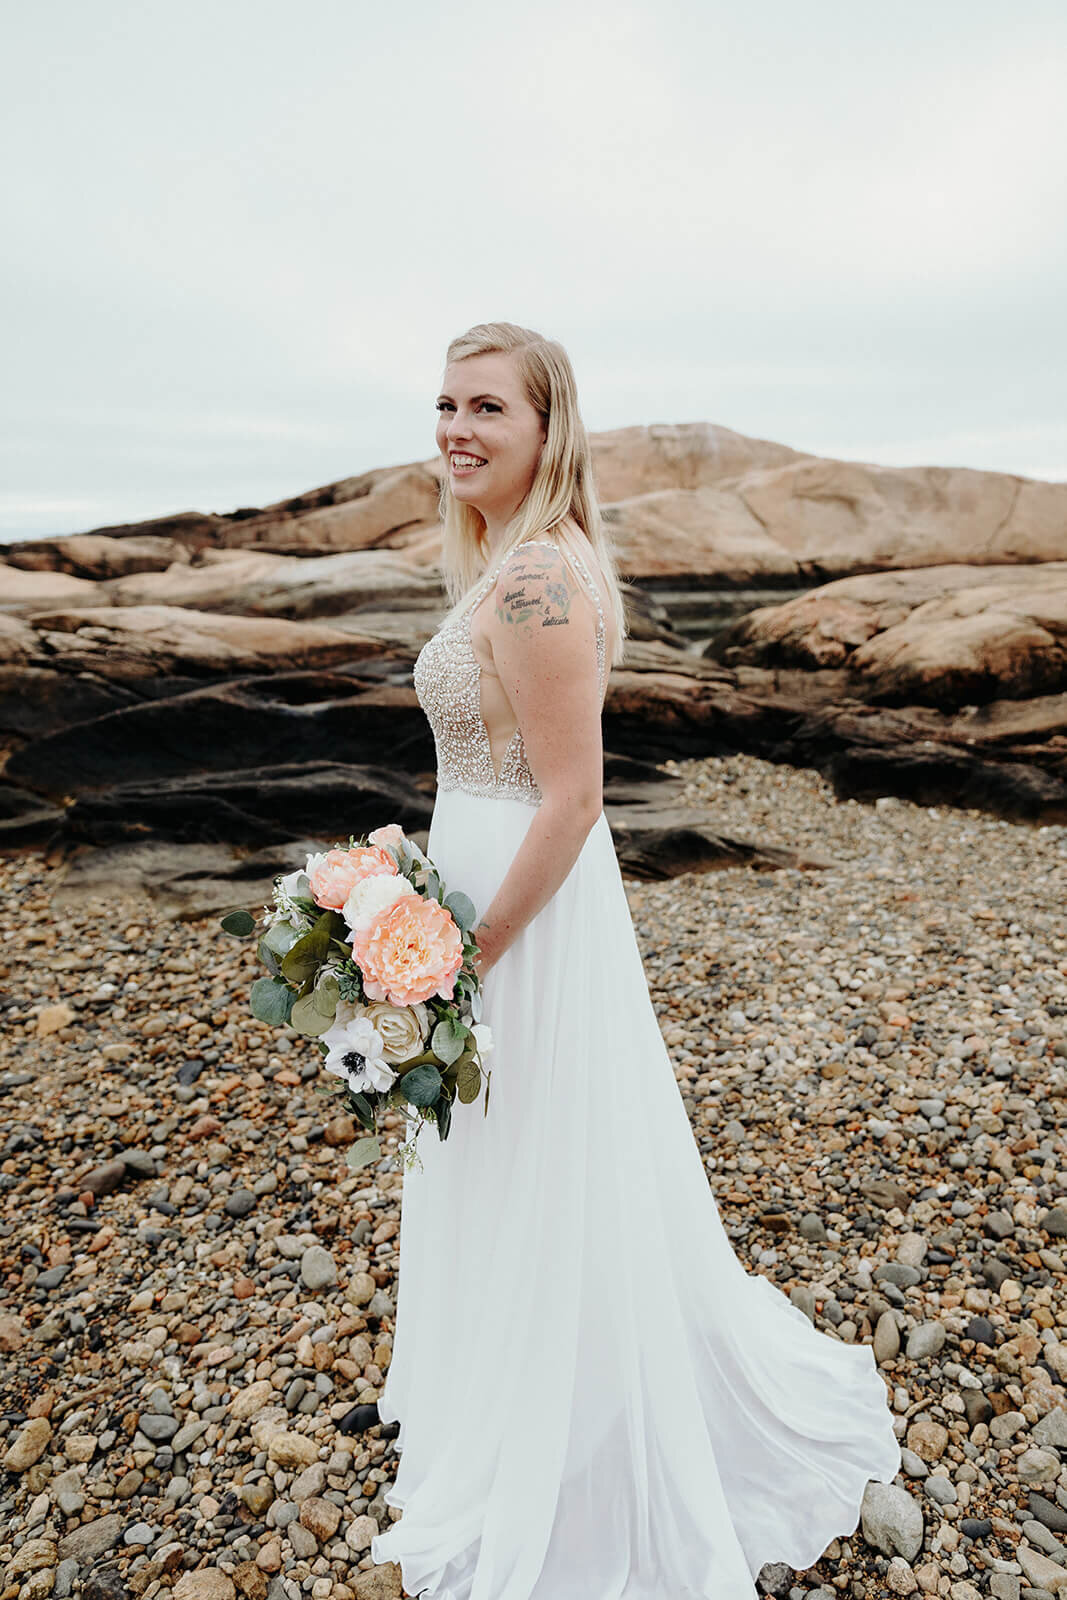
(409, 952)
(391, 837)
(335, 875)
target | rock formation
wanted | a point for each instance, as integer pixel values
(234, 679)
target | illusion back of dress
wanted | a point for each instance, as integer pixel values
(448, 684)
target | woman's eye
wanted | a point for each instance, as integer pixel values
(443, 405)
(490, 405)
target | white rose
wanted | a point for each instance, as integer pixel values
(373, 895)
(403, 1029)
(483, 1038)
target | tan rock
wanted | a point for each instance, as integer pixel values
(38, 1585)
(134, 643)
(204, 1583)
(320, 1517)
(361, 1288)
(1040, 1572)
(933, 635)
(900, 1579)
(31, 1556)
(95, 555)
(12, 1334)
(50, 1019)
(270, 1422)
(251, 1581)
(380, 1583)
(929, 1439)
(253, 583)
(249, 1401)
(23, 591)
(29, 1445)
(744, 506)
(292, 1449)
(269, 1558)
(359, 1534)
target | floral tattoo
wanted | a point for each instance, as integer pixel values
(538, 590)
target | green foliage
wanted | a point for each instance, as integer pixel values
(421, 1085)
(468, 1082)
(309, 952)
(350, 982)
(363, 1152)
(238, 923)
(443, 1115)
(271, 1001)
(363, 1109)
(307, 1019)
(462, 910)
(280, 938)
(448, 1040)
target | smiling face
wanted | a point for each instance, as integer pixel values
(489, 435)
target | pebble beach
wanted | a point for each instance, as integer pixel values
(873, 1056)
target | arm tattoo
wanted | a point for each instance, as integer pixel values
(537, 592)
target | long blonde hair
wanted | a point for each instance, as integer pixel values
(562, 488)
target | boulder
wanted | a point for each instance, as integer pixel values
(26, 590)
(134, 643)
(693, 498)
(96, 556)
(256, 583)
(944, 635)
(230, 728)
(250, 806)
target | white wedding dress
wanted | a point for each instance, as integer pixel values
(597, 1401)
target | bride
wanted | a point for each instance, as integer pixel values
(595, 1399)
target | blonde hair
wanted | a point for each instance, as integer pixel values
(562, 489)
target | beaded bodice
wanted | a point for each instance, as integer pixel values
(448, 684)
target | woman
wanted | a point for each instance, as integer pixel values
(596, 1400)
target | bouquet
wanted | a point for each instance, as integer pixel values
(367, 955)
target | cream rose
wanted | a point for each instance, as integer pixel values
(403, 1029)
(372, 896)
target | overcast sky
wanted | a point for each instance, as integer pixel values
(238, 236)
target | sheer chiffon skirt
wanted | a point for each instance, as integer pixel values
(597, 1401)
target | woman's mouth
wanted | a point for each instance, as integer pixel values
(463, 465)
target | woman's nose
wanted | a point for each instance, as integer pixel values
(459, 427)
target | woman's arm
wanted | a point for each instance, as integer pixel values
(544, 649)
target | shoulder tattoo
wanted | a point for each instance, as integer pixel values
(534, 590)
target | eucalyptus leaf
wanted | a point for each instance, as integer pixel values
(443, 1114)
(309, 952)
(325, 996)
(307, 1019)
(363, 1152)
(487, 1077)
(363, 1109)
(238, 923)
(271, 1001)
(468, 1082)
(269, 959)
(421, 1086)
(433, 887)
(280, 938)
(462, 909)
(448, 1040)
